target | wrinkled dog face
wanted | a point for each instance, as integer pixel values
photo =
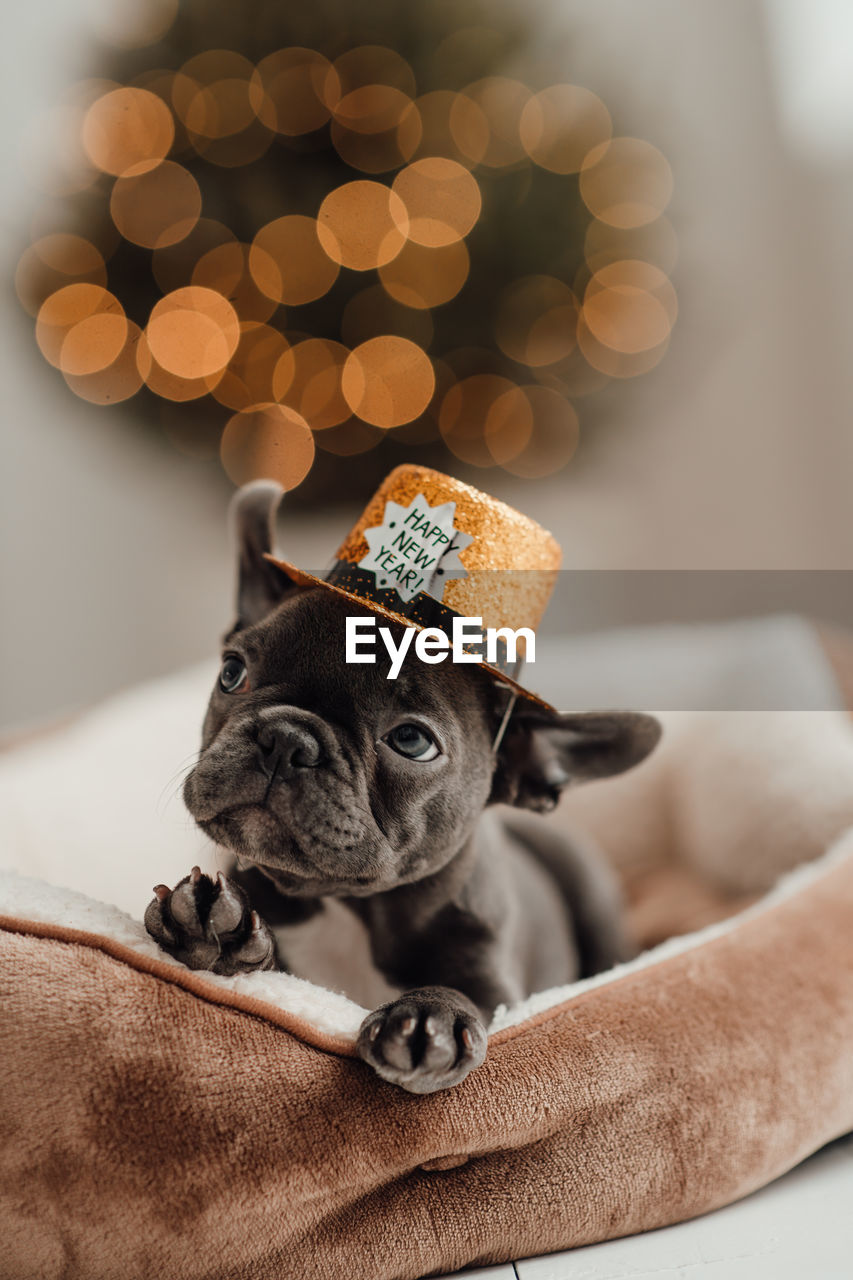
(333, 778)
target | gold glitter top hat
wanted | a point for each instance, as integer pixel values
(429, 549)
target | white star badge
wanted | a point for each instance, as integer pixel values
(416, 548)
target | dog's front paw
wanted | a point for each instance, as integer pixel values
(427, 1040)
(209, 924)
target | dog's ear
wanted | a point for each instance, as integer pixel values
(542, 752)
(260, 585)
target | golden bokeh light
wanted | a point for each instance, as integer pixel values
(376, 128)
(54, 261)
(420, 277)
(536, 321)
(452, 126)
(67, 308)
(227, 270)
(116, 381)
(388, 381)
(618, 364)
(553, 439)
(626, 182)
(634, 273)
(308, 378)
(93, 343)
(561, 124)
(372, 312)
(288, 262)
(156, 207)
(502, 102)
(267, 441)
(362, 225)
(167, 385)
(248, 379)
(509, 426)
(655, 242)
(294, 91)
(127, 24)
(390, 173)
(211, 94)
(442, 199)
(127, 129)
(630, 307)
(173, 266)
(372, 64)
(465, 411)
(193, 333)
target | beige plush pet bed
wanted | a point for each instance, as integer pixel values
(161, 1122)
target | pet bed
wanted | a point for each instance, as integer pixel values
(158, 1121)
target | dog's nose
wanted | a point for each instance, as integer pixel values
(284, 750)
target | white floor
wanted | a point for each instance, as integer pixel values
(798, 1228)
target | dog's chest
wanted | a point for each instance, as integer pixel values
(332, 949)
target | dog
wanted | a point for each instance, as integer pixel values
(333, 785)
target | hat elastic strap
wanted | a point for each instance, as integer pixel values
(510, 707)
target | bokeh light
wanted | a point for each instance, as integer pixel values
(248, 379)
(308, 377)
(127, 129)
(554, 435)
(469, 406)
(54, 261)
(452, 126)
(513, 255)
(116, 381)
(376, 128)
(293, 91)
(288, 262)
(626, 182)
(227, 270)
(173, 265)
(193, 333)
(560, 125)
(388, 381)
(362, 225)
(536, 322)
(68, 307)
(270, 441)
(502, 102)
(372, 64)
(420, 277)
(156, 207)
(441, 198)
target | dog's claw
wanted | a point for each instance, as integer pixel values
(208, 924)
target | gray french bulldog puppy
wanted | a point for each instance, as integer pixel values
(330, 781)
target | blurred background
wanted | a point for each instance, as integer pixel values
(592, 257)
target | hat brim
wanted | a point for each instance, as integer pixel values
(303, 579)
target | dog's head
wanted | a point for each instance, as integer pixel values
(336, 780)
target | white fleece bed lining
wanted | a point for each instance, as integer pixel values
(27, 899)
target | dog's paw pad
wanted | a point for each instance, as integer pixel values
(422, 1044)
(209, 924)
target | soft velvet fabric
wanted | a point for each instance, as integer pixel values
(154, 1125)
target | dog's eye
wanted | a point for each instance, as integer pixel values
(412, 741)
(233, 676)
